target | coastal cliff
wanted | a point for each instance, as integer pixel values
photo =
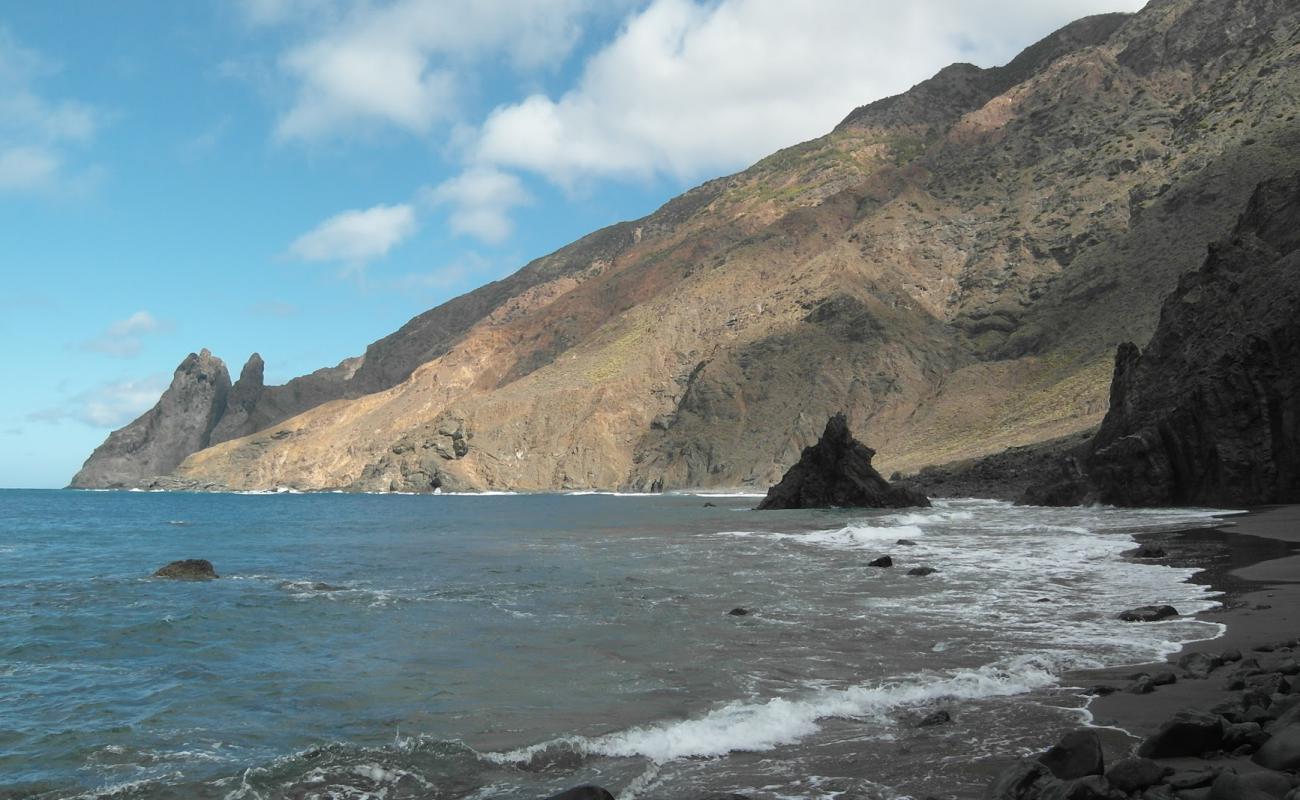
(953, 267)
(179, 424)
(1209, 412)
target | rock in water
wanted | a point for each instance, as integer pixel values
(837, 473)
(181, 423)
(1148, 614)
(190, 569)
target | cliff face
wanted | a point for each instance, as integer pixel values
(1209, 413)
(180, 423)
(953, 267)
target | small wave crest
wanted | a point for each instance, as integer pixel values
(747, 726)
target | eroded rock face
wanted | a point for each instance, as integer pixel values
(1209, 413)
(179, 424)
(837, 473)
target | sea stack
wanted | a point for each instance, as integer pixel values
(837, 473)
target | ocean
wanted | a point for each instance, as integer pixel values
(511, 646)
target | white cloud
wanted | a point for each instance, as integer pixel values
(482, 199)
(688, 89)
(401, 63)
(355, 237)
(109, 405)
(29, 167)
(35, 133)
(124, 337)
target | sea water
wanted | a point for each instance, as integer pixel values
(361, 646)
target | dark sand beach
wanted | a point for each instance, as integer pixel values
(1254, 560)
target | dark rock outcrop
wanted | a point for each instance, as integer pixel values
(837, 473)
(179, 424)
(1077, 755)
(1148, 614)
(1209, 413)
(1189, 733)
(585, 792)
(190, 569)
(883, 561)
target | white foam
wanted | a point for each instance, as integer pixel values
(743, 726)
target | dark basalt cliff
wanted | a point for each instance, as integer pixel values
(180, 423)
(1209, 413)
(837, 473)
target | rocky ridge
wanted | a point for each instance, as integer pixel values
(922, 267)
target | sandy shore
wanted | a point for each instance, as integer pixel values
(1254, 560)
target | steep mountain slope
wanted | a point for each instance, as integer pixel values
(953, 267)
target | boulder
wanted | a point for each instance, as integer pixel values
(883, 561)
(1135, 774)
(1164, 678)
(1188, 733)
(1148, 550)
(1282, 750)
(837, 473)
(1243, 734)
(190, 569)
(1077, 754)
(922, 571)
(1192, 779)
(1231, 786)
(905, 543)
(1091, 787)
(940, 717)
(1143, 685)
(1148, 614)
(1024, 780)
(585, 792)
(738, 612)
(1199, 665)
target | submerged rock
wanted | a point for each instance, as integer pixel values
(940, 717)
(837, 473)
(190, 569)
(922, 571)
(738, 612)
(1148, 614)
(883, 561)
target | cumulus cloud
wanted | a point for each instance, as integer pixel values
(124, 338)
(355, 237)
(36, 133)
(481, 199)
(400, 64)
(108, 405)
(688, 88)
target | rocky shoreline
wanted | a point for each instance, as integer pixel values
(1220, 720)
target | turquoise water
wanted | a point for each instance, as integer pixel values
(511, 646)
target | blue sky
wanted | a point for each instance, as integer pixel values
(300, 177)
